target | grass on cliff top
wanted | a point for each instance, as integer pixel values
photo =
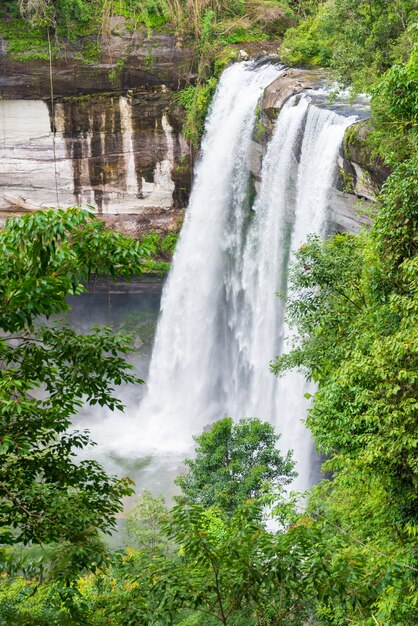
(229, 22)
(25, 42)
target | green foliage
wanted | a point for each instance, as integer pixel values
(75, 10)
(367, 553)
(49, 371)
(359, 39)
(92, 53)
(233, 462)
(190, 19)
(355, 308)
(196, 100)
(232, 569)
(25, 41)
(395, 230)
(326, 277)
(358, 340)
(310, 41)
(150, 13)
(161, 249)
(240, 35)
(47, 255)
(395, 111)
(225, 569)
(21, 606)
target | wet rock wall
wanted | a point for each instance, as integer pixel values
(117, 153)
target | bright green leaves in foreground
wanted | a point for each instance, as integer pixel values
(49, 372)
(209, 568)
(231, 569)
(47, 255)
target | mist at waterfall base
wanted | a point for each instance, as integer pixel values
(221, 322)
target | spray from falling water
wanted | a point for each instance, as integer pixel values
(220, 323)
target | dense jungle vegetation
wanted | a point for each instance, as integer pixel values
(345, 555)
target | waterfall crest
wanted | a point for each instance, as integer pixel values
(221, 323)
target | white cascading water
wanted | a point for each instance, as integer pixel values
(221, 323)
(186, 386)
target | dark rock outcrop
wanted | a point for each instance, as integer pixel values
(366, 171)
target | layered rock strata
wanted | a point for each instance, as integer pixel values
(110, 138)
(116, 153)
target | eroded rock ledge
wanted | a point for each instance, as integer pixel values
(290, 82)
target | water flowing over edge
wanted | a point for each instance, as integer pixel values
(221, 323)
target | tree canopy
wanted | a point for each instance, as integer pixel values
(232, 463)
(48, 371)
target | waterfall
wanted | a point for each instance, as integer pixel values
(221, 323)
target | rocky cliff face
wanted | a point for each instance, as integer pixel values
(117, 153)
(110, 138)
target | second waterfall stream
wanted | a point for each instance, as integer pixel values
(221, 321)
